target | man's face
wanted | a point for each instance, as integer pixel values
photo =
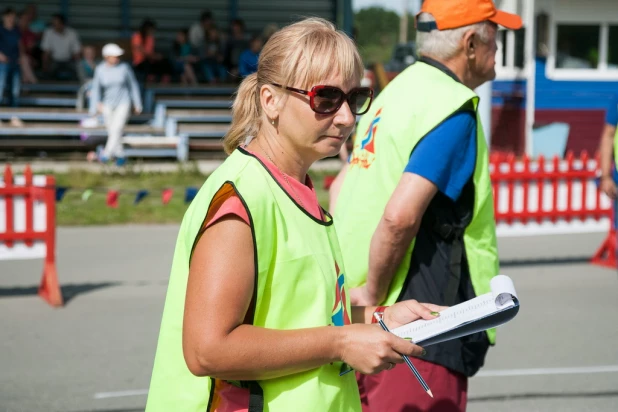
(8, 20)
(485, 61)
(57, 24)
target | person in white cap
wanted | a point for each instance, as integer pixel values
(114, 88)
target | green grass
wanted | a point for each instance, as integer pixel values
(73, 211)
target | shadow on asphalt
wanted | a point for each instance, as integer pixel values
(114, 410)
(69, 291)
(522, 396)
(544, 262)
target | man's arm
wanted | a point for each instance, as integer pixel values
(444, 161)
(76, 48)
(606, 151)
(46, 48)
(398, 226)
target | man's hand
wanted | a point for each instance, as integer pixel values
(100, 108)
(408, 311)
(360, 297)
(608, 186)
(138, 110)
(3, 58)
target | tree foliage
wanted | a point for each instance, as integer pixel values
(377, 32)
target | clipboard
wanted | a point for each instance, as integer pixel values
(484, 312)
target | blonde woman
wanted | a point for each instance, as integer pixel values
(257, 315)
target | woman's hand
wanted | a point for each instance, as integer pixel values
(368, 349)
(408, 311)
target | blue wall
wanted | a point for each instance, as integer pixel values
(555, 94)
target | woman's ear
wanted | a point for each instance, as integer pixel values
(270, 101)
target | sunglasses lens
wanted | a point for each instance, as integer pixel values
(360, 100)
(327, 99)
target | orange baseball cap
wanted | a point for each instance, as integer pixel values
(451, 14)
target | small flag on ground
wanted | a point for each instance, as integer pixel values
(140, 195)
(190, 193)
(86, 195)
(60, 192)
(112, 198)
(166, 196)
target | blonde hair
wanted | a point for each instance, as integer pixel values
(298, 55)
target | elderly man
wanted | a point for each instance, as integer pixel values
(417, 198)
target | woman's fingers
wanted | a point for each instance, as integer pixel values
(406, 347)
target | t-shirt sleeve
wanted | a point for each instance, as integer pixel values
(46, 42)
(231, 206)
(611, 117)
(446, 156)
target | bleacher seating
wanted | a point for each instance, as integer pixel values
(184, 121)
(175, 118)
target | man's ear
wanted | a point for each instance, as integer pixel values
(469, 43)
(270, 101)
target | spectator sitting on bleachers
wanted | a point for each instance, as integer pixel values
(146, 61)
(212, 65)
(114, 88)
(236, 44)
(183, 58)
(87, 64)
(29, 43)
(37, 26)
(199, 30)
(249, 58)
(85, 72)
(10, 50)
(61, 50)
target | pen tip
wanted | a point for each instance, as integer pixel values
(429, 392)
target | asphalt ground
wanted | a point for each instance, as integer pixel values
(96, 353)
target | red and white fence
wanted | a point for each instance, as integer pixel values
(548, 197)
(28, 225)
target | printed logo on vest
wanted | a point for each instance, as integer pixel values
(364, 149)
(340, 310)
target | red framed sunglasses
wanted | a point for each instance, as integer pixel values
(328, 99)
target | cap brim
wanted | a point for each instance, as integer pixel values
(508, 20)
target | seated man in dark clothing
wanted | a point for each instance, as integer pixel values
(10, 50)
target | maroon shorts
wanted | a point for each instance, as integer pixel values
(398, 390)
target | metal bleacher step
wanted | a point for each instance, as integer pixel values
(200, 115)
(198, 102)
(47, 101)
(204, 131)
(54, 129)
(56, 114)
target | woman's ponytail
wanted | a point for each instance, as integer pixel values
(245, 114)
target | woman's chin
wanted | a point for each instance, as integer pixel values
(330, 150)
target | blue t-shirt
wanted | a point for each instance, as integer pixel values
(248, 63)
(446, 156)
(9, 43)
(611, 117)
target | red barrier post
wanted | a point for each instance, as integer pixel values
(49, 289)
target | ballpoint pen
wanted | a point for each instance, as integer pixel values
(405, 358)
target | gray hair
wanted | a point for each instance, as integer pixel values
(444, 44)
